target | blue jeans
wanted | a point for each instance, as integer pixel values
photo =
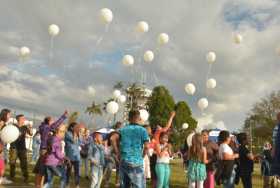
(55, 171)
(229, 183)
(76, 165)
(35, 154)
(132, 175)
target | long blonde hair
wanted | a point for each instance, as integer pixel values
(196, 149)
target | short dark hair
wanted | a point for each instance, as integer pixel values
(19, 116)
(118, 125)
(241, 137)
(205, 131)
(133, 115)
(223, 136)
(47, 120)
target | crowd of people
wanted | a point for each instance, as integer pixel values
(136, 151)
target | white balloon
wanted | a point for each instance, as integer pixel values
(211, 57)
(202, 103)
(128, 60)
(116, 93)
(122, 99)
(211, 83)
(9, 134)
(163, 38)
(149, 56)
(106, 15)
(91, 90)
(53, 30)
(24, 52)
(189, 139)
(112, 107)
(238, 38)
(142, 27)
(185, 125)
(190, 88)
(144, 114)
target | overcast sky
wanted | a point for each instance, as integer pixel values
(244, 72)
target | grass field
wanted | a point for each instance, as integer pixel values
(178, 178)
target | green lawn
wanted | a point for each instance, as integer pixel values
(178, 178)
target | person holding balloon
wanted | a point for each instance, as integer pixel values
(5, 116)
(18, 149)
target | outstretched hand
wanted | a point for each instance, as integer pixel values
(66, 113)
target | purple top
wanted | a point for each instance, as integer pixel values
(45, 129)
(56, 156)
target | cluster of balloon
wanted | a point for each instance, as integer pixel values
(53, 32)
(128, 60)
(9, 134)
(24, 52)
(91, 90)
(118, 96)
(144, 115)
(190, 88)
(112, 107)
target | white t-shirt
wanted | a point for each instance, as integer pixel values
(224, 148)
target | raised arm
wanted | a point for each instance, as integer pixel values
(169, 123)
(58, 122)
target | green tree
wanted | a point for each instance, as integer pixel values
(94, 109)
(261, 119)
(160, 104)
(183, 115)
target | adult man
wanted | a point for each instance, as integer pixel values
(130, 145)
(18, 148)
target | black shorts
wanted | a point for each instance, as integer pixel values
(40, 167)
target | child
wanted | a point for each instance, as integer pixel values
(36, 146)
(162, 165)
(55, 158)
(96, 156)
(86, 140)
(246, 161)
(197, 159)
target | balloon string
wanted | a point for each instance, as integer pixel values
(207, 77)
(51, 50)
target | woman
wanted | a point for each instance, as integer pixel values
(226, 172)
(163, 150)
(86, 140)
(212, 151)
(72, 150)
(197, 159)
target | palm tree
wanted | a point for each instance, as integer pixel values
(73, 117)
(119, 85)
(94, 109)
(134, 93)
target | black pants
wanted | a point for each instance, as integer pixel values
(22, 156)
(246, 180)
(76, 166)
